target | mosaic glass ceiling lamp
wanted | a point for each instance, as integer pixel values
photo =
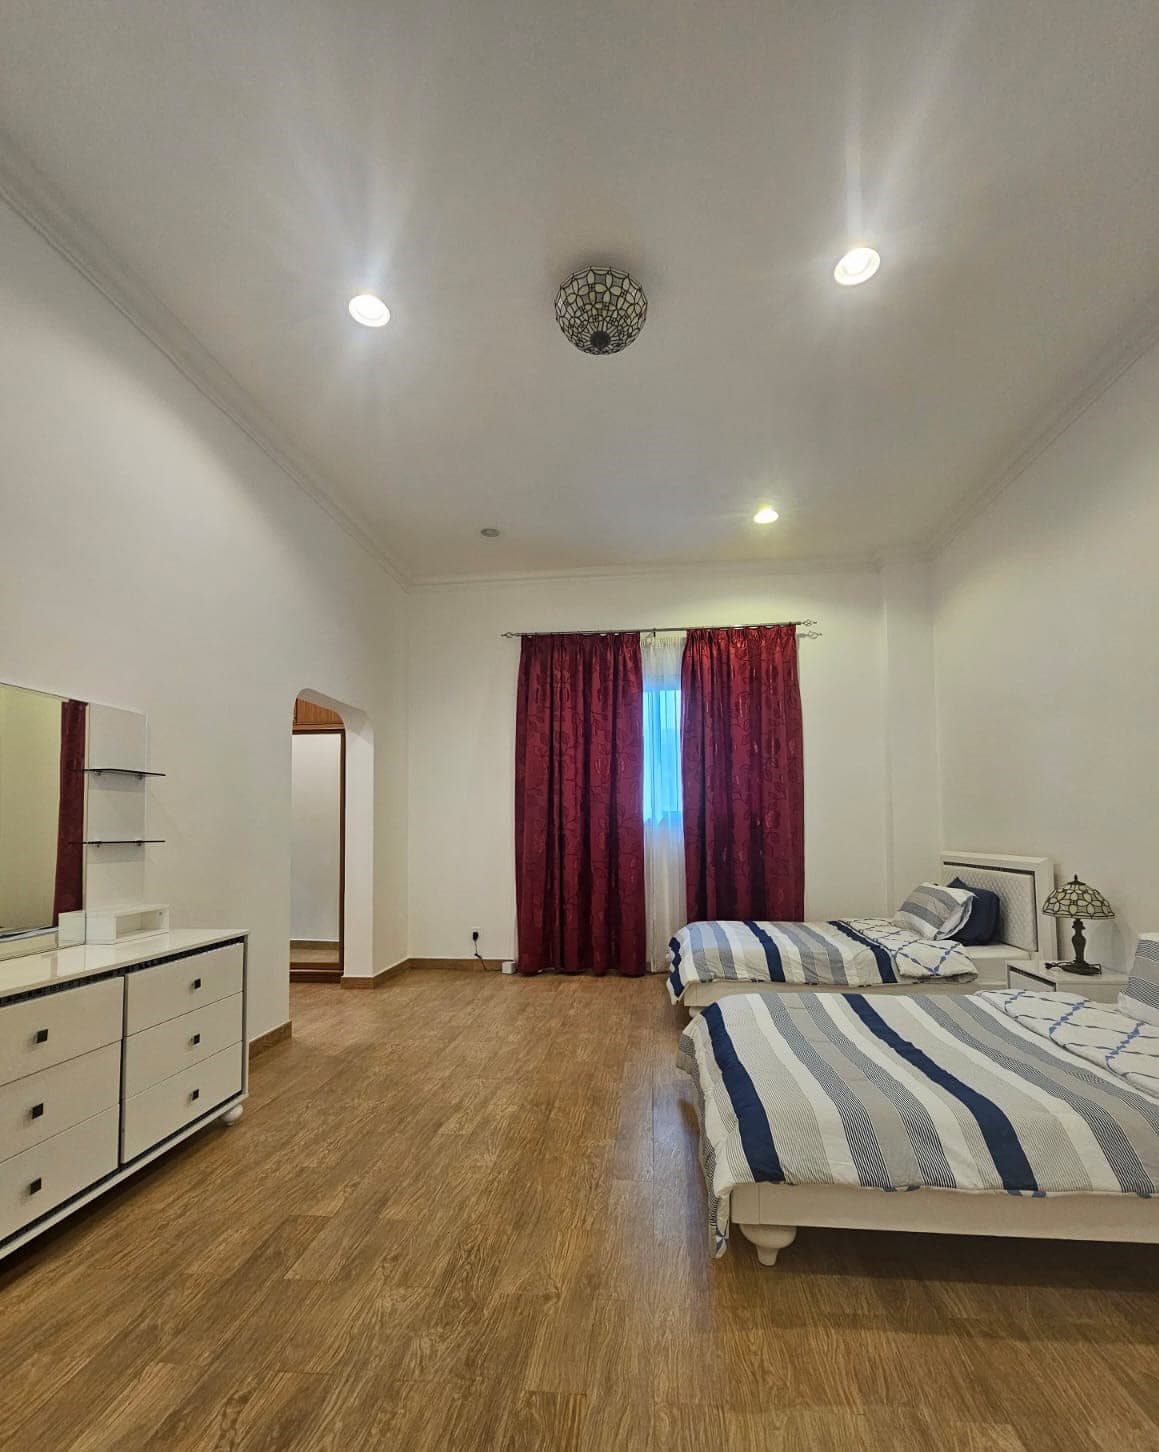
(601, 310)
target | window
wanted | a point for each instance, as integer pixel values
(662, 790)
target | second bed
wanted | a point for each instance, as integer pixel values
(713, 960)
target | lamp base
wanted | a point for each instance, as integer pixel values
(1087, 970)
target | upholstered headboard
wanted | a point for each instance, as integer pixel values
(1022, 885)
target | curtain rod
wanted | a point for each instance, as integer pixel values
(663, 629)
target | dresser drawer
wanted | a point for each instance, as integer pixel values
(178, 1043)
(48, 1030)
(167, 1107)
(40, 1179)
(170, 989)
(42, 1105)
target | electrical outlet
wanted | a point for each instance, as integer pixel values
(475, 935)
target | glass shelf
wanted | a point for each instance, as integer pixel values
(121, 841)
(118, 771)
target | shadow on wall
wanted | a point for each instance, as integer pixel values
(358, 924)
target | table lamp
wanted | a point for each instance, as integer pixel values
(1074, 899)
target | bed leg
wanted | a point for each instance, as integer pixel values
(769, 1240)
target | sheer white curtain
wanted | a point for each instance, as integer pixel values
(663, 798)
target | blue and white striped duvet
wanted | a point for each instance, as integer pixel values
(860, 953)
(971, 1093)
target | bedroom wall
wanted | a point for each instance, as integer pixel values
(1047, 662)
(151, 556)
(462, 723)
(913, 839)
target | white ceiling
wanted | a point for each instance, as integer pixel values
(255, 162)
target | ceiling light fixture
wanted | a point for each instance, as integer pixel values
(369, 310)
(601, 310)
(766, 515)
(858, 265)
(490, 532)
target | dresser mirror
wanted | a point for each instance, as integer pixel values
(42, 761)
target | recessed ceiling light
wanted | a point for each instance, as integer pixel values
(490, 532)
(856, 266)
(767, 515)
(369, 310)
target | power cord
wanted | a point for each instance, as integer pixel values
(475, 941)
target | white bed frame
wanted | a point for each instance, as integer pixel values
(769, 1215)
(1022, 885)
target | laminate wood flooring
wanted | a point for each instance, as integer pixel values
(465, 1212)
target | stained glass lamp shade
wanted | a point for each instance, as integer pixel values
(601, 310)
(1074, 899)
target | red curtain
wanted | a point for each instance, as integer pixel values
(579, 783)
(69, 893)
(743, 774)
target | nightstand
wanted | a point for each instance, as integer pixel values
(1033, 974)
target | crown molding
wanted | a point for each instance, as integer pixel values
(908, 554)
(1068, 407)
(818, 565)
(29, 193)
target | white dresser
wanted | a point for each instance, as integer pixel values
(108, 1056)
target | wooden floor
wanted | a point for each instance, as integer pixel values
(465, 1212)
(315, 962)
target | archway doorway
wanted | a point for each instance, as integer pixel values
(357, 932)
(317, 843)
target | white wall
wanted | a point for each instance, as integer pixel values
(462, 713)
(315, 840)
(151, 556)
(913, 849)
(1047, 662)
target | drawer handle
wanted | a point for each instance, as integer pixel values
(36, 1111)
(196, 984)
(194, 1096)
(194, 1041)
(41, 1036)
(36, 1186)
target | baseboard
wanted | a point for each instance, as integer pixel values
(331, 944)
(271, 1037)
(311, 973)
(378, 979)
(468, 965)
(472, 965)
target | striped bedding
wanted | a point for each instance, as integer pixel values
(860, 952)
(971, 1093)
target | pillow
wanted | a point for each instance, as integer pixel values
(985, 914)
(935, 912)
(1140, 998)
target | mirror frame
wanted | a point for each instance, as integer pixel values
(26, 943)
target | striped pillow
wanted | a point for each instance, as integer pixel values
(1140, 998)
(935, 912)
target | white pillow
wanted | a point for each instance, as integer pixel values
(1140, 998)
(933, 911)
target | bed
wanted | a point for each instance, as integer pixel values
(1008, 1113)
(711, 961)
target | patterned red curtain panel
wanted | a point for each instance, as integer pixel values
(579, 780)
(743, 774)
